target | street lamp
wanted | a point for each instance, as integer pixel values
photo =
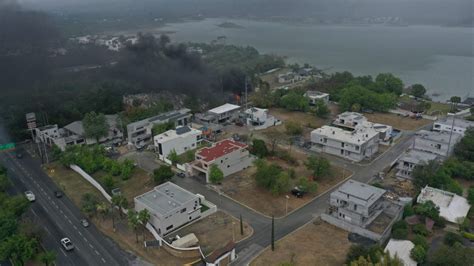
(286, 206)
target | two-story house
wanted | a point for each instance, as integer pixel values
(440, 143)
(180, 140)
(409, 160)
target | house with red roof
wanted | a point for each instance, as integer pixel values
(229, 155)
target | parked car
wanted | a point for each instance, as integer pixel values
(67, 244)
(30, 196)
(182, 175)
(85, 223)
(58, 194)
(298, 192)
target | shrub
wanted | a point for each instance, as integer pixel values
(418, 253)
(451, 238)
(109, 183)
(259, 148)
(400, 233)
(420, 229)
(408, 210)
(420, 240)
(402, 224)
(162, 174)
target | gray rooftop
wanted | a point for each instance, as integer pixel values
(459, 122)
(416, 156)
(441, 137)
(360, 193)
(166, 198)
(171, 115)
(77, 128)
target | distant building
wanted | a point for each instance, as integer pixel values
(289, 77)
(352, 120)
(170, 207)
(140, 132)
(221, 114)
(52, 135)
(353, 145)
(114, 133)
(228, 155)
(181, 139)
(401, 249)
(260, 118)
(445, 125)
(451, 206)
(410, 159)
(440, 143)
(314, 96)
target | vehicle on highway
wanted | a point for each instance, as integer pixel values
(67, 244)
(30, 196)
(58, 194)
(85, 223)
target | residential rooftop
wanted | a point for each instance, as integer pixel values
(179, 132)
(219, 149)
(360, 135)
(442, 137)
(166, 198)
(401, 249)
(451, 206)
(316, 94)
(360, 193)
(77, 127)
(171, 115)
(458, 122)
(416, 156)
(224, 108)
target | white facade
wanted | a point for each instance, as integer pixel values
(459, 125)
(170, 207)
(314, 96)
(180, 140)
(260, 119)
(440, 143)
(228, 155)
(452, 207)
(352, 145)
(353, 120)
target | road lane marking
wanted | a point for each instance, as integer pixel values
(75, 227)
(103, 260)
(96, 252)
(80, 233)
(63, 252)
(85, 239)
(90, 245)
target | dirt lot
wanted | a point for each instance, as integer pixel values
(398, 122)
(317, 243)
(243, 188)
(75, 186)
(305, 119)
(215, 231)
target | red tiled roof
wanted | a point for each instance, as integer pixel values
(219, 149)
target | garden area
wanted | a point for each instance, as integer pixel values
(265, 185)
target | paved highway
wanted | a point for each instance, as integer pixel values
(59, 217)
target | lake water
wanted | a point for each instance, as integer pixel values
(441, 58)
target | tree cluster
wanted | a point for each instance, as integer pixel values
(271, 177)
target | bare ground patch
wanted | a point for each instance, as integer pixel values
(396, 121)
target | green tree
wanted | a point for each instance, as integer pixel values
(120, 202)
(457, 255)
(161, 128)
(103, 209)
(18, 248)
(282, 184)
(259, 148)
(464, 149)
(109, 183)
(216, 175)
(266, 174)
(307, 185)
(95, 125)
(144, 217)
(320, 166)
(451, 238)
(420, 240)
(387, 82)
(47, 257)
(89, 204)
(418, 254)
(418, 90)
(356, 251)
(321, 109)
(434, 175)
(428, 209)
(4, 182)
(470, 195)
(162, 174)
(133, 222)
(173, 157)
(294, 101)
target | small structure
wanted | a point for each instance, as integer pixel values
(458, 125)
(189, 240)
(170, 207)
(181, 139)
(260, 118)
(354, 145)
(451, 206)
(140, 132)
(289, 77)
(314, 96)
(221, 114)
(114, 133)
(363, 209)
(410, 159)
(440, 143)
(401, 249)
(221, 256)
(229, 155)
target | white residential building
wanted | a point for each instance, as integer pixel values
(410, 159)
(170, 207)
(228, 155)
(440, 143)
(260, 118)
(460, 125)
(352, 120)
(353, 145)
(401, 249)
(221, 114)
(180, 140)
(314, 96)
(141, 132)
(452, 207)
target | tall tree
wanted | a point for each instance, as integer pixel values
(387, 82)
(18, 248)
(120, 202)
(418, 90)
(144, 217)
(320, 166)
(95, 125)
(133, 222)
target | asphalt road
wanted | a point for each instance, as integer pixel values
(59, 217)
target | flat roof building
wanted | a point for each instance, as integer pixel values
(401, 249)
(170, 207)
(314, 96)
(181, 139)
(459, 127)
(221, 114)
(440, 143)
(409, 160)
(451, 206)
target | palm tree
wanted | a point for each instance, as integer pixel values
(133, 222)
(47, 257)
(144, 217)
(121, 202)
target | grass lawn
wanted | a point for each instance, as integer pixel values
(398, 122)
(317, 243)
(215, 231)
(74, 186)
(439, 108)
(243, 188)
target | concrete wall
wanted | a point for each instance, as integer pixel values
(350, 227)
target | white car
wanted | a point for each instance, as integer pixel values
(67, 244)
(30, 196)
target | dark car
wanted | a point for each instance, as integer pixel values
(58, 194)
(298, 192)
(182, 175)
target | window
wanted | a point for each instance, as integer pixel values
(355, 207)
(357, 147)
(183, 210)
(342, 152)
(169, 227)
(342, 144)
(438, 146)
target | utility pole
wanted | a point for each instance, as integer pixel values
(241, 226)
(246, 93)
(45, 152)
(451, 135)
(273, 233)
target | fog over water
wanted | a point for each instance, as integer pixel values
(441, 58)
